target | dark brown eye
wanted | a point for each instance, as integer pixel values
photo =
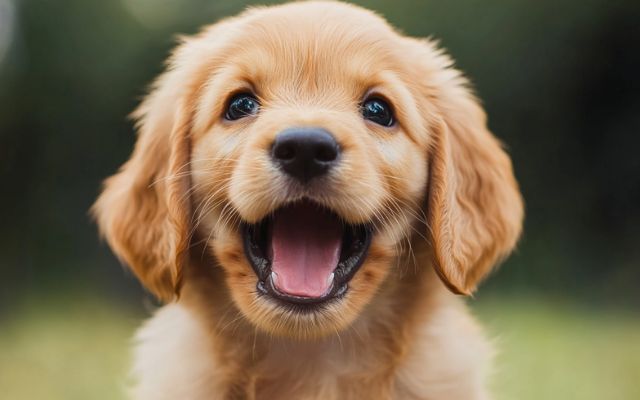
(242, 105)
(378, 111)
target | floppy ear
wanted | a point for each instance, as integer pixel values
(475, 209)
(144, 209)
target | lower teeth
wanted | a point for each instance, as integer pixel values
(330, 279)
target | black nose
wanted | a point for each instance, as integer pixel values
(305, 153)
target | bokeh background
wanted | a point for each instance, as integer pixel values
(560, 80)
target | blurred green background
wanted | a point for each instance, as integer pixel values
(560, 81)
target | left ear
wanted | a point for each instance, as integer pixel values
(144, 210)
(475, 209)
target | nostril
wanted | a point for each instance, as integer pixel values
(284, 151)
(326, 153)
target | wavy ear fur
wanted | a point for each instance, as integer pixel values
(475, 209)
(143, 211)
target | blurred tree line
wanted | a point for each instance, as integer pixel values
(560, 81)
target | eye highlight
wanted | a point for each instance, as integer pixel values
(378, 110)
(242, 105)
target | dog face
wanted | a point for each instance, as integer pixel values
(310, 147)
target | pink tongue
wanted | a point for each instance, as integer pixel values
(305, 245)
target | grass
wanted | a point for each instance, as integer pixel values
(554, 350)
(549, 350)
(65, 351)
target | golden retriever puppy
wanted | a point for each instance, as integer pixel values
(309, 191)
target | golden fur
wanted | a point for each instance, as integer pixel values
(438, 187)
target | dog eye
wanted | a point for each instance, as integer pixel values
(242, 105)
(378, 111)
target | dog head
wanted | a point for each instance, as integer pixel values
(309, 146)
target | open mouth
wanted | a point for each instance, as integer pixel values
(304, 254)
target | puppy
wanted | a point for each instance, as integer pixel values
(308, 193)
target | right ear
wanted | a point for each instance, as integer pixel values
(144, 209)
(474, 206)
